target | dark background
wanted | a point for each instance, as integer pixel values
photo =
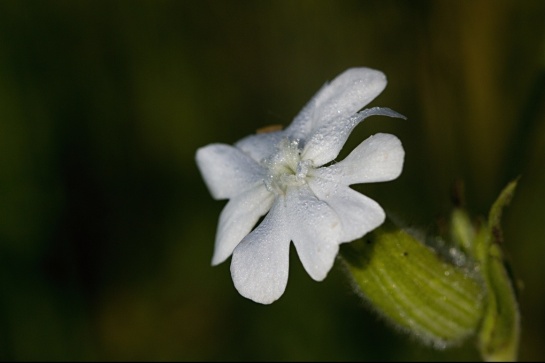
(107, 229)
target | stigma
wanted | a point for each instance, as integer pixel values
(285, 168)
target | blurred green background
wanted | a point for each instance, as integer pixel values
(107, 229)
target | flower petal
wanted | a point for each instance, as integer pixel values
(260, 263)
(227, 171)
(315, 231)
(260, 146)
(302, 123)
(358, 214)
(326, 142)
(378, 158)
(344, 96)
(238, 218)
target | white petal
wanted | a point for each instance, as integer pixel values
(315, 231)
(325, 143)
(227, 171)
(301, 125)
(238, 218)
(260, 263)
(378, 158)
(358, 214)
(260, 146)
(344, 96)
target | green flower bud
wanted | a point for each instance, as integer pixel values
(414, 288)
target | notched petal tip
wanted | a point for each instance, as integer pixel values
(379, 158)
(315, 230)
(358, 214)
(238, 218)
(260, 263)
(257, 289)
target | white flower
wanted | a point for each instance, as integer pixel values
(283, 174)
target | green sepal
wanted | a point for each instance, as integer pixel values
(499, 333)
(462, 231)
(413, 288)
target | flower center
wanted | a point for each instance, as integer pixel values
(285, 167)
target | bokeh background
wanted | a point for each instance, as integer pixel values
(107, 229)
